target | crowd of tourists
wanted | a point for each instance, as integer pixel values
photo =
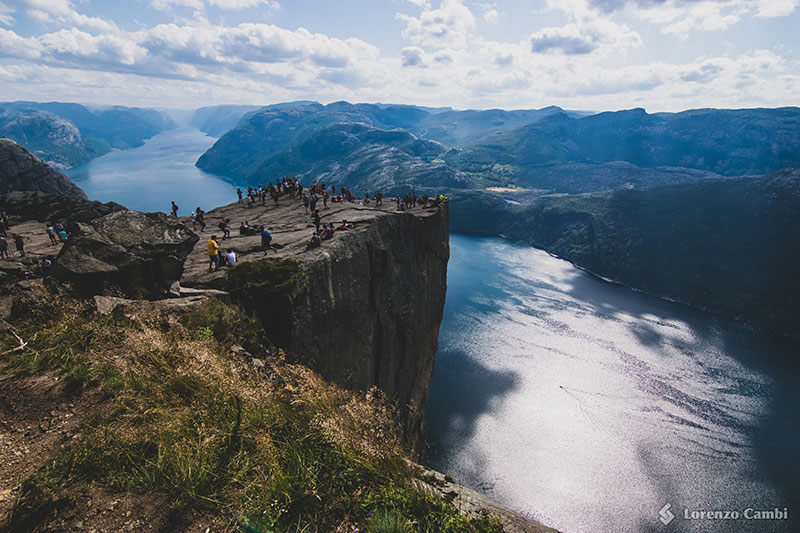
(314, 201)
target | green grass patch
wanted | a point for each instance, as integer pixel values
(293, 453)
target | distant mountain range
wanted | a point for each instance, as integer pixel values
(542, 149)
(671, 203)
(65, 134)
(278, 140)
(721, 141)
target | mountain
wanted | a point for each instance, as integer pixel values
(273, 135)
(20, 170)
(721, 141)
(377, 159)
(456, 128)
(56, 140)
(216, 120)
(729, 245)
(66, 134)
(540, 149)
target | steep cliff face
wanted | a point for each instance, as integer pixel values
(367, 313)
(363, 310)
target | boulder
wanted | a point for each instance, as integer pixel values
(22, 206)
(139, 254)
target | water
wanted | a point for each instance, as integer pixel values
(147, 178)
(590, 406)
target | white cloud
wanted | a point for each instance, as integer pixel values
(448, 26)
(683, 17)
(447, 60)
(584, 37)
(490, 13)
(412, 56)
(5, 15)
(776, 8)
(13, 45)
(196, 51)
(163, 5)
(681, 20)
(61, 11)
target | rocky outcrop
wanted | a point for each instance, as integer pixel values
(363, 309)
(20, 170)
(472, 502)
(141, 254)
(53, 207)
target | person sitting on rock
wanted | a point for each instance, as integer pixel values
(345, 225)
(327, 232)
(213, 253)
(26, 274)
(43, 267)
(3, 248)
(230, 258)
(315, 241)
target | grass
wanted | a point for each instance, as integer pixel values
(286, 453)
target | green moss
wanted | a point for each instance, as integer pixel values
(264, 288)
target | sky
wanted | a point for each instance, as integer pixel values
(662, 55)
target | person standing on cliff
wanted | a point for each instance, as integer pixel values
(266, 241)
(239, 194)
(317, 219)
(51, 233)
(174, 210)
(19, 242)
(213, 253)
(200, 217)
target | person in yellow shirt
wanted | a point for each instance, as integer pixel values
(213, 253)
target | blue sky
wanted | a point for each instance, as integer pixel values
(663, 55)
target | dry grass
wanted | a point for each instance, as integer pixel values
(276, 450)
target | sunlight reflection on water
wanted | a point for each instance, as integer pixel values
(589, 406)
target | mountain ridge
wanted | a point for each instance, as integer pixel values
(69, 134)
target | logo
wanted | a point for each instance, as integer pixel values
(665, 515)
